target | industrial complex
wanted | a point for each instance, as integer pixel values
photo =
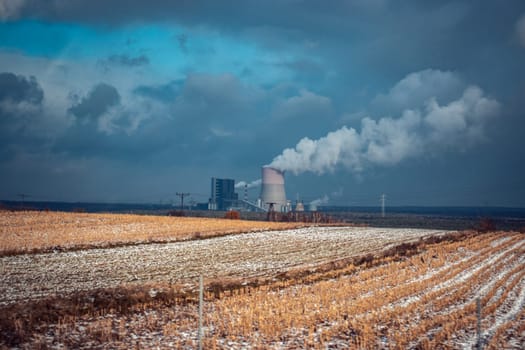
(272, 197)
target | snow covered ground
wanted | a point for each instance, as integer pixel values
(427, 300)
(33, 276)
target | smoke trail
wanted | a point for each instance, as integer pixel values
(388, 141)
(325, 199)
(242, 184)
(320, 201)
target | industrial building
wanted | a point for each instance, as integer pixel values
(273, 195)
(223, 194)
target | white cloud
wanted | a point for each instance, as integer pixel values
(218, 132)
(306, 103)
(416, 88)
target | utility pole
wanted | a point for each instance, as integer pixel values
(478, 314)
(201, 302)
(182, 195)
(23, 196)
(383, 199)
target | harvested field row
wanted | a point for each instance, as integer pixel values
(36, 276)
(425, 301)
(34, 231)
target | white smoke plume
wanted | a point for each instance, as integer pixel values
(320, 201)
(325, 199)
(388, 141)
(242, 184)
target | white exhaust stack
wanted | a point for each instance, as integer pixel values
(272, 189)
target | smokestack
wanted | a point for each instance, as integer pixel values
(272, 189)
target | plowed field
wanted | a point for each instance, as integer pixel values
(313, 287)
(33, 276)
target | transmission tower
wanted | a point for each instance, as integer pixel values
(383, 199)
(23, 196)
(182, 195)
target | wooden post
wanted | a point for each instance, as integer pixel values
(478, 307)
(199, 336)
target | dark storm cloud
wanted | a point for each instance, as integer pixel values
(322, 60)
(122, 61)
(182, 41)
(520, 30)
(311, 16)
(303, 65)
(162, 92)
(305, 105)
(126, 60)
(199, 114)
(97, 102)
(220, 93)
(88, 141)
(367, 42)
(21, 100)
(203, 11)
(17, 89)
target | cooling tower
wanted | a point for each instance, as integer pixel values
(272, 188)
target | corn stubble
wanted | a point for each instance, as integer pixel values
(41, 231)
(422, 300)
(426, 301)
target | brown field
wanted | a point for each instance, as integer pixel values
(37, 231)
(316, 287)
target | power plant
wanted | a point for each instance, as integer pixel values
(272, 198)
(273, 195)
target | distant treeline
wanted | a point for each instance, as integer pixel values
(452, 218)
(445, 211)
(473, 212)
(83, 206)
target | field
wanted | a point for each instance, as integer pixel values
(311, 287)
(41, 231)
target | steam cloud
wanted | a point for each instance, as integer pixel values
(242, 184)
(320, 201)
(325, 199)
(388, 141)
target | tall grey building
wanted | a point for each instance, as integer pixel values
(222, 194)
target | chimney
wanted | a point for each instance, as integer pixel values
(272, 188)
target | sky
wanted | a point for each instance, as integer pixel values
(134, 101)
